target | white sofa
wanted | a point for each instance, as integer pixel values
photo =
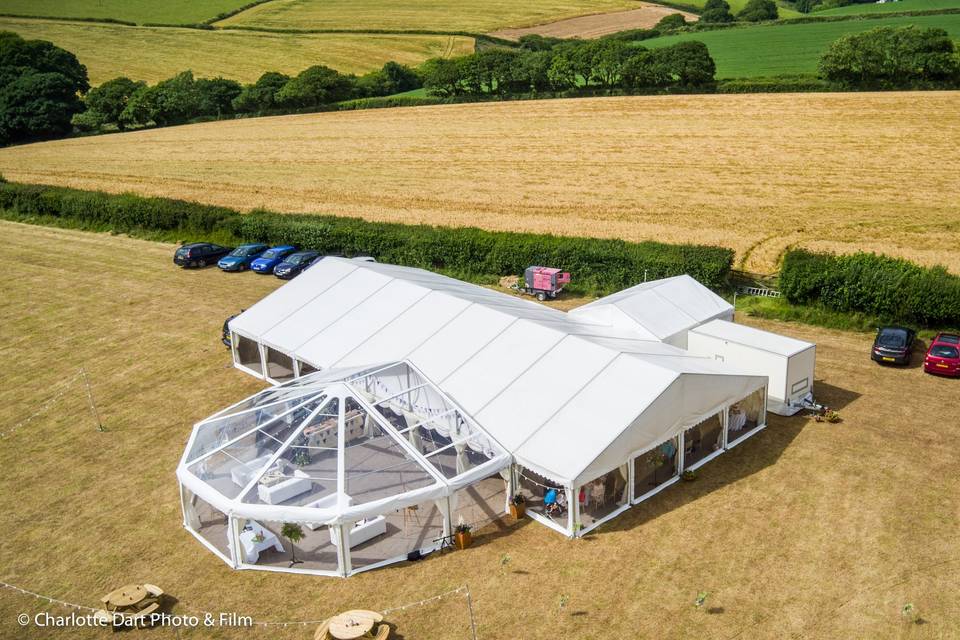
(325, 502)
(364, 531)
(286, 489)
(243, 474)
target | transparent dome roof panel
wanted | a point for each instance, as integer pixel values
(332, 440)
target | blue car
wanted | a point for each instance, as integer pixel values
(271, 258)
(240, 258)
(294, 263)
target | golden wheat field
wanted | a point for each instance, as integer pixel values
(599, 24)
(152, 54)
(758, 173)
(468, 15)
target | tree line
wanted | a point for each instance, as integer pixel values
(718, 12)
(126, 103)
(543, 65)
(45, 92)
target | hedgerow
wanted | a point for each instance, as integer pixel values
(598, 265)
(890, 288)
(773, 84)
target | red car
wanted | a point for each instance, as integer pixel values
(943, 356)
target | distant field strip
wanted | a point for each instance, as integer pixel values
(890, 7)
(737, 5)
(452, 15)
(601, 24)
(763, 50)
(151, 54)
(757, 173)
(139, 11)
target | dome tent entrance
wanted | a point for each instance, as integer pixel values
(373, 463)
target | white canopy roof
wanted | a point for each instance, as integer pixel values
(658, 309)
(358, 441)
(757, 338)
(568, 396)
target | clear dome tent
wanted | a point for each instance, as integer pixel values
(373, 463)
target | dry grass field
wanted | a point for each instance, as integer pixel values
(442, 15)
(598, 24)
(139, 11)
(151, 54)
(758, 173)
(807, 530)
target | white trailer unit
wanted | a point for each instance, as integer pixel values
(787, 362)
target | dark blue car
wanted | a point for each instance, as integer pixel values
(271, 258)
(294, 264)
(240, 258)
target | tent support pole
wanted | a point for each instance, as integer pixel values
(725, 417)
(343, 550)
(447, 515)
(681, 461)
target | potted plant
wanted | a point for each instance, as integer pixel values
(294, 533)
(689, 475)
(828, 415)
(518, 506)
(462, 536)
(301, 458)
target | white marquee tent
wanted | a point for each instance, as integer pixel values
(663, 310)
(594, 415)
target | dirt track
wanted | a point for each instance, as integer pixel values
(599, 24)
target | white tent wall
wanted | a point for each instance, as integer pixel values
(800, 375)
(655, 469)
(788, 363)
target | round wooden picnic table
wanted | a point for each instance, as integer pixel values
(353, 624)
(126, 596)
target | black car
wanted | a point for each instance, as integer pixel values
(893, 345)
(295, 263)
(225, 335)
(199, 254)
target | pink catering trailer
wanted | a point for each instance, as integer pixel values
(543, 282)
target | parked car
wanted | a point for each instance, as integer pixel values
(295, 263)
(225, 333)
(359, 258)
(328, 255)
(199, 254)
(271, 258)
(240, 258)
(943, 356)
(893, 345)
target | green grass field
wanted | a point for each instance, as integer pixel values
(767, 50)
(139, 11)
(890, 7)
(440, 15)
(152, 54)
